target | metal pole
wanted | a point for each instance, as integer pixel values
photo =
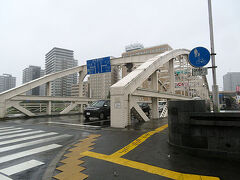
(214, 86)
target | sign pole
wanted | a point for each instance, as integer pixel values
(214, 86)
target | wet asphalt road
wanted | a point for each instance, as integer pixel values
(20, 138)
(154, 151)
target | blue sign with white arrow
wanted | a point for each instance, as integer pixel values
(100, 65)
(199, 57)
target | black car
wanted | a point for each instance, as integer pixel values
(145, 107)
(100, 109)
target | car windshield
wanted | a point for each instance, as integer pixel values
(97, 104)
(161, 103)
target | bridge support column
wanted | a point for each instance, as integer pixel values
(80, 83)
(119, 110)
(49, 104)
(2, 109)
(81, 108)
(171, 74)
(154, 84)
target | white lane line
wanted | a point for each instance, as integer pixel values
(20, 134)
(11, 129)
(7, 127)
(28, 152)
(17, 146)
(21, 167)
(2, 177)
(80, 125)
(13, 132)
(26, 138)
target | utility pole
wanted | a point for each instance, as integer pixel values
(213, 54)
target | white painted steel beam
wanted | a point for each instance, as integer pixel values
(40, 81)
(2, 177)
(140, 112)
(133, 104)
(52, 98)
(69, 108)
(23, 110)
(163, 95)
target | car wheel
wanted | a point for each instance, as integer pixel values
(101, 116)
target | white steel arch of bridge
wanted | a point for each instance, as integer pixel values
(126, 92)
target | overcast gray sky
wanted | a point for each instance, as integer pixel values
(97, 28)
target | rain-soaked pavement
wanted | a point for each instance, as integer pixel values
(136, 152)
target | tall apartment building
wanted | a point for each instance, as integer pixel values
(56, 60)
(231, 80)
(100, 83)
(7, 81)
(30, 73)
(85, 92)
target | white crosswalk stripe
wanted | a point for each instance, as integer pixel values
(20, 134)
(7, 127)
(21, 167)
(14, 132)
(18, 143)
(26, 138)
(28, 153)
(11, 129)
(17, 146)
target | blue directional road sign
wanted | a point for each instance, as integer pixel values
(100, 65)
(199, 57)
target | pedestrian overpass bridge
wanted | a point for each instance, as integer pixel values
(152, 77)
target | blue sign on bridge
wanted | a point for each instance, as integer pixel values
(100, 65)
(199, 57)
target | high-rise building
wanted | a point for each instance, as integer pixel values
(140, 50)
(7, 81)
(231, 80)
(137, 50)
(56, 60)
(100, 83)
(30, 73)
(85, 91)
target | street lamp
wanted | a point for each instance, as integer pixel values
(214, 86)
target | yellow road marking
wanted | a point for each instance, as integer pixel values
(147, 168)
(71, 169)
(71, 176)
(137, 142)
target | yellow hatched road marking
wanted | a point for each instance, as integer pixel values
(71, 169)
(147, 168)
(137, 142)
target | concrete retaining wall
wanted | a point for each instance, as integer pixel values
(193, 127)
